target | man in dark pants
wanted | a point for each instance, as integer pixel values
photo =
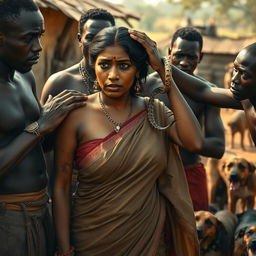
(23, 179)
(185, 53)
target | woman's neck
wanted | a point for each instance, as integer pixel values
(119, 103)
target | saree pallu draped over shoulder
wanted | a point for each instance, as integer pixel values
(130, 185)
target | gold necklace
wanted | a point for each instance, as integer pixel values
(117, 126)
(87, 80)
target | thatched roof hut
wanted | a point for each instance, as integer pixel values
(60, 45)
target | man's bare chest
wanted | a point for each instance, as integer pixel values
(18, 107)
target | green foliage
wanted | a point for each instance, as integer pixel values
(247, 8)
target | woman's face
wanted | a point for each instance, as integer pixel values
(114, 71)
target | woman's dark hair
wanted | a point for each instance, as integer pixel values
(120, 36)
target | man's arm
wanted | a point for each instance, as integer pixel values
(250, 114)
(54, 112)
(214, 139)
(202, 91)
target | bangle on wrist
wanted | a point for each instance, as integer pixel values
(70, 252)
(168, 74)
(156, 91)
(33, 129)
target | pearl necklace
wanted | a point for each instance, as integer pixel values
(117, 126)
(87, 80)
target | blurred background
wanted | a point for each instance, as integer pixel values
(232, 18)
(227, 26)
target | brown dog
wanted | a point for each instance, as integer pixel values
(238, 124)
(217, 190)
(215, 232)
(240, 179)
(245, 234)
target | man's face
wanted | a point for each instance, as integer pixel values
(243, 82)
(20, 42)
(90, 29)
(185, 55)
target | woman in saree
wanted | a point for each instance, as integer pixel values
(132, 198)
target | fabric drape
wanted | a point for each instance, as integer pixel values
(126, 185)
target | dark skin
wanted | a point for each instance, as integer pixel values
(22, 166)
(186, 55)
(70, 78)
(115, 74)
(242, 92)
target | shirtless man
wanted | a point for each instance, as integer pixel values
(185, 53)
(242, 92)
(79, 77)
(23, 179)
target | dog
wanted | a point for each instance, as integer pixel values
(215, 232)
(245, 234)
(217, 190)
(239, 176)
(238, 124)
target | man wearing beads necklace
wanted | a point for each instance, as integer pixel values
(185, 53)
(79, 77)
(24, 217)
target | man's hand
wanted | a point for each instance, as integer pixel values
(57, 108)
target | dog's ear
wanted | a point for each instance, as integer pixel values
(221, 166)
(251, 166)
(240, 233)
(222, 241)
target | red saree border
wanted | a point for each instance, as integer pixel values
(111, 139)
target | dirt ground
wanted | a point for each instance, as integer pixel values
(250, 152)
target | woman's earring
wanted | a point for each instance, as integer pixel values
(137, 88)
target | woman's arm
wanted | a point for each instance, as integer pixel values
(195, 88)
(65, 146)
(186, 131)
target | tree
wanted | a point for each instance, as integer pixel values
(223, 7)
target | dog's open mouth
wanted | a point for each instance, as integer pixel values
(234, 185)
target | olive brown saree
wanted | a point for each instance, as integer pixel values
(132, 187)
